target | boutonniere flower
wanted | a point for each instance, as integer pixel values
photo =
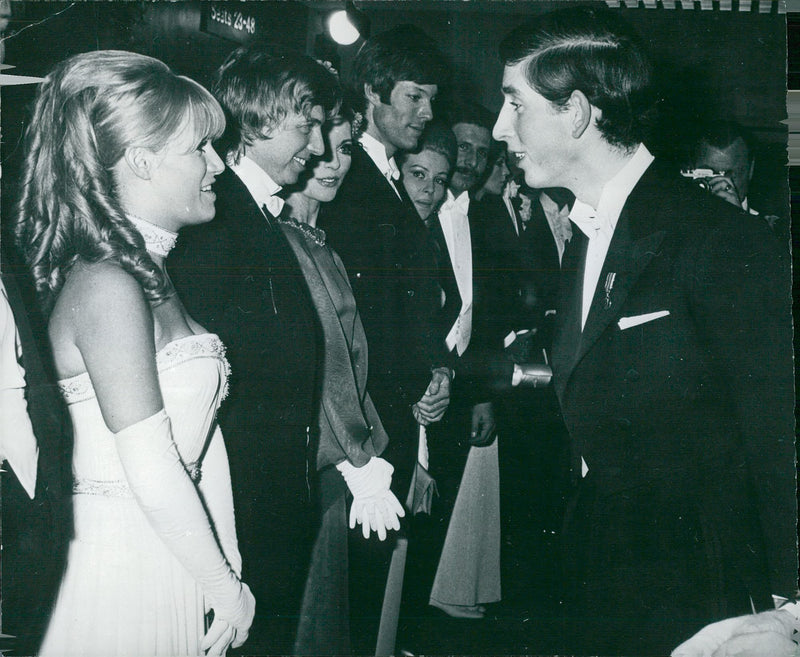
(512, 189)
(525, 209)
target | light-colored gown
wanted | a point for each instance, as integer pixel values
(123, 592)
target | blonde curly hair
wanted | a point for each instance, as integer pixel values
(87, 112)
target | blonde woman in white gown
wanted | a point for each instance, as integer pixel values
(119, 160)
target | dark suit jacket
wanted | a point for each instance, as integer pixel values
(36, 532)
(495, 296)
(388, 257)
(239, 278)
(448, 440)
(685, 422)
(521, 270)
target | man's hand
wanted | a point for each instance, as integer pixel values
(436, 399)
(723, 187)
(483, 425)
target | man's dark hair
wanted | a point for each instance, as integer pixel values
(260, 84)
(596, 52)
(722, 134)
(472, 113)
(436, 137)
(402, 53)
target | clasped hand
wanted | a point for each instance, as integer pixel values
(374, 506)
(433, 404)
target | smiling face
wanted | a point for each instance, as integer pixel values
(538, 135)
(181, 183)
(473, 151)
(285, 153)
(399, 124)
(332, 167)
(425, 177)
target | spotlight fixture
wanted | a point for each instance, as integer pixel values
(347, 25)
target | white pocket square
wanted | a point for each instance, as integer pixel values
(635, 320)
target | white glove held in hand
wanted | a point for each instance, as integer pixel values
(169, 499)
(374, 506)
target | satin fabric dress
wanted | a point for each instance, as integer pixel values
(124, 592)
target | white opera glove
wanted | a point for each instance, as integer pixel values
(169, 499)
(374, 505)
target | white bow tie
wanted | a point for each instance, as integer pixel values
(460, 204)
(393, 173)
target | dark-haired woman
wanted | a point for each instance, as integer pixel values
(351, 435)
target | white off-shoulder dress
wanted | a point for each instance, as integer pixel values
(123, 591)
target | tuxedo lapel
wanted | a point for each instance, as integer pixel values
(624, 263)
(637, 237)
(566, 341)
(446, 273)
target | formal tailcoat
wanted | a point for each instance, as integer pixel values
(678, 397)
(239, 278)
(449, 439)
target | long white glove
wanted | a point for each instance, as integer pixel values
(169, 499)
(374, 505)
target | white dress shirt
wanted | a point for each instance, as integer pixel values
(599, 224)
(453, 217)
(261, 187)
(17, 441)
(510, 190)
(377, 153)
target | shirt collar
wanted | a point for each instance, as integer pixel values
(262, 188)
(746, 207)
(615, 193)
(453, 202)
(377, 153)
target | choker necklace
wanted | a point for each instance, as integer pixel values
(312, 233)
(157, 240)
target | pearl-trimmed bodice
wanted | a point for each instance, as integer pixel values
(193, 374)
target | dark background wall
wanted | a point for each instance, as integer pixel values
(725, 63)
(729, 64)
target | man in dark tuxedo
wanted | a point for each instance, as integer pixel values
(470, 416)
(239, 278)
(383, 243)
(519, 233)
(374, 227)
(466, 312)
(672, 357)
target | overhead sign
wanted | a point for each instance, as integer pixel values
(227, 21)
